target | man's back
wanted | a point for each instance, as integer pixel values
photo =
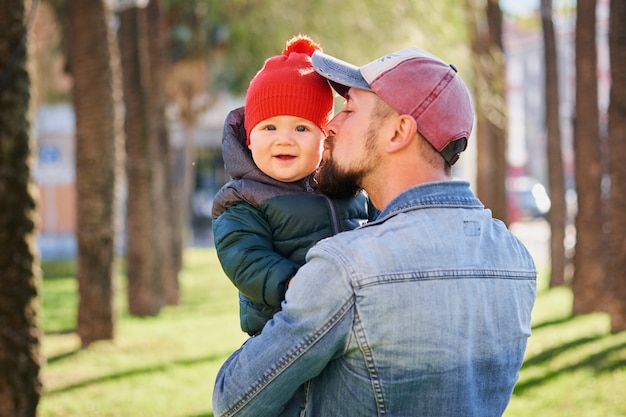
(442, 296)
(423, 312)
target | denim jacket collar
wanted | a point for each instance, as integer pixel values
(451, 193)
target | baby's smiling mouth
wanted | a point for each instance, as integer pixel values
(285, 157)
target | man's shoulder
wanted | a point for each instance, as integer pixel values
(347, 241)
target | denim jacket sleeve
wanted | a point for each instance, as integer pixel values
(312, 329)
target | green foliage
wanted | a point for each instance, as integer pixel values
(238, 35)
(166, 365)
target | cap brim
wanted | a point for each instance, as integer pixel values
(342, 76)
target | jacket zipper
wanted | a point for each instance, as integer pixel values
(333, 215)
(334, 222)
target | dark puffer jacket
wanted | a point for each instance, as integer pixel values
(263, 227)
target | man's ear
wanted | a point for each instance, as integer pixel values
(405, 130)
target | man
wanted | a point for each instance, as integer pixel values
(423, 312)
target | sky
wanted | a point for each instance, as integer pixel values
(525, 7)
(519, 7)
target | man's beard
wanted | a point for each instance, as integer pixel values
(337, 183)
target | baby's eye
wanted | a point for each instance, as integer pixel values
(270, 127)
(301, 128)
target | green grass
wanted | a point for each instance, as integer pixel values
(166, 365)
(574, 366)
(160, 366)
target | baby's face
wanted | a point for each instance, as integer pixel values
(286, 148)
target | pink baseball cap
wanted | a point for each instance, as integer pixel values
(416, 83)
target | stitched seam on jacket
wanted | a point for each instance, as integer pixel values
(287, 360)
(370, 365)
(456, 274)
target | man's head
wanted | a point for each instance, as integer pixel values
(415, 83)
(350, 161)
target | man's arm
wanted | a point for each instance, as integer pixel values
(295, 346)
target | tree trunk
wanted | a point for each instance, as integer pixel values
(169, 238)
(556, 179)
(94, 62)
(617, 168)
(485, 26)
(588, 281)
(186, 79)
(20, 385)
(145, 286)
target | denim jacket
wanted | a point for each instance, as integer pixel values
(423, 312)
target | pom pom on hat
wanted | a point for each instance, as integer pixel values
(301, 44)
(289, 85)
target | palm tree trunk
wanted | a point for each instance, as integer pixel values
(168, 237)
(588, 281)
(556, 180)
(145, 286)
(617, 168)
(94, 64)
(20, 385)
(489, 92)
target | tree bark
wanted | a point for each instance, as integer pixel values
(94, 63)
(20, 361)
(556, 176)
(169, 237)
(489, 92)
(145, 286)
(617, 168)
(588, 281)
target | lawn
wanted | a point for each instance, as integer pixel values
(166, 365)
(160, 366)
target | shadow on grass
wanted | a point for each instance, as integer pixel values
(133, 372)
(59, 332)
(554, 322)
(599, 362)
(548, 354)
(62, 356)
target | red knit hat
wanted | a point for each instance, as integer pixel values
(289, 85)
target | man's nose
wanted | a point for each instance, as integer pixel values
(331, 128)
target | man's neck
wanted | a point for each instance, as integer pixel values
(398, 180)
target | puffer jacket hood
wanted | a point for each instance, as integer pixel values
(245, 175)
(238, 161)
